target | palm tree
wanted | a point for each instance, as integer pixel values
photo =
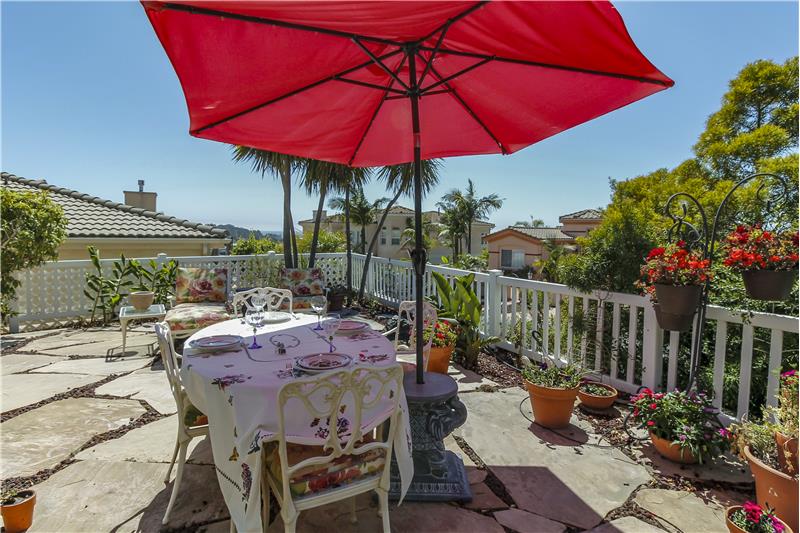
(408, 237)
(400, 180)
(281, 166)
(472, 207)
(362, 211)
(532, 223)
(548, 268)
(452, 227)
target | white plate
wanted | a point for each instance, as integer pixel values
(217, 342)
(351, 326)
(273, 317)
(323, 362)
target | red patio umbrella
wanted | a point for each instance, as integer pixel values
(377, 83)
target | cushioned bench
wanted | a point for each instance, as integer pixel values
(200, 297)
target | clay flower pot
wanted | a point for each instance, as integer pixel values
(18, 516)
(672, 322)
(677, 305)
(787, 453)
(141, 300)
(552, 408)
(439, 359)
(769, 285)
(672, 451)
(595, 401)
(775, 489)
(733, 528)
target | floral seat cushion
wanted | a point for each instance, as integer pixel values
(303, 281)
(193, 417)
(201, 285)
(194, 316)
(316, 478)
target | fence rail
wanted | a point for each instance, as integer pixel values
(615, 335)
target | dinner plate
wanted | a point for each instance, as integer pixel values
(273, 317)
(352, 326)
(217, 342)
(323, 362)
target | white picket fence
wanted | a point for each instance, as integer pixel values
(613, 334)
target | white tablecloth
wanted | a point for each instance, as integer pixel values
(239, 392)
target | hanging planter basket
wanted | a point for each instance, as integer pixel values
(769, 285)
(676, 305)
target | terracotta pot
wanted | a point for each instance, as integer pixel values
(672, 451)
(141, 300)
(786, 447)
(593, 401)
(439, 359)
(672, 322)
(769, 284)
(552, 408)
(18, 517)
(733, 528)
(775, 489)
(678, 300)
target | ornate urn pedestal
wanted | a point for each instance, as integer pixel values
(434, 412)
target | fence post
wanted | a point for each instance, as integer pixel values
(652, 349)
(493, 303)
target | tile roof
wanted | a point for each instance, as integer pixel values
(545, 234)
(584, 214)
(90, 216)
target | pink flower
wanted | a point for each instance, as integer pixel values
(653, 405)
(789, 373)
(724, 433)
(651, 423)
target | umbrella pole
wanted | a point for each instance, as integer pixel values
(418, 256)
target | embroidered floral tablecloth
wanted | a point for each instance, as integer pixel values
(239, 393)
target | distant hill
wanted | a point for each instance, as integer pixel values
(237, 232)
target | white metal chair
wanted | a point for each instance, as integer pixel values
(276, 299)
(355, 458)
(191, 422)
(407, 312)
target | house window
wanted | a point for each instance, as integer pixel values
(512, 258)
(383, 235)
(395, 236)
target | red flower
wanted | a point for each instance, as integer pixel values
(653, 406)
(655, 252)
(651, 423)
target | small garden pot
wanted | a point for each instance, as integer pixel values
(141, 300)
(595, 401)
(439, 359)
(787, 453)
(733, 528)
(678, 300)
(552, 408)
(672, 322)
(672, 451)
(775, 489)
(769, 285)
(18, 516)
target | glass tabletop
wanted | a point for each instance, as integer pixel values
(153, 310)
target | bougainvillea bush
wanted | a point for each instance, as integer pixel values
(754, 248)
(753, 519)
(675, 265)
(686, 419)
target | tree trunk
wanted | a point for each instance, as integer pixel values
(312, 256)
(363, 239)
(295, 255)
(286, 183)
(349, 269)
(469, 238)
(373, 242)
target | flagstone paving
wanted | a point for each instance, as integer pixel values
(524, 478)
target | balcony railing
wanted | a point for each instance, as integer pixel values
(613, 334)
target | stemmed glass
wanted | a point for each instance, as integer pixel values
(318, 304)
(331, 326)
(253, 318)
(258, 301)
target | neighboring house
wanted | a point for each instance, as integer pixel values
(390, 239)
(133, 228)
(517, 247)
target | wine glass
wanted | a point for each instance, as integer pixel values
(318, 304)
(253, 318)
(258, 301)
(331, 326)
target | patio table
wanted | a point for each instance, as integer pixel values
(238, 390)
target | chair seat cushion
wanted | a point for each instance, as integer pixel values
(316, 478)
(301, 303)
(193, 316)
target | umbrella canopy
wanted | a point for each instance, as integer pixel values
(377, 83)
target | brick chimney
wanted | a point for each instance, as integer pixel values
(140, 198)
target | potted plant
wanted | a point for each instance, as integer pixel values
(16, 508)
(676, 276)
(336, 296)
(786, 422)
(444, 335)
(767, 261)
(755, 443)
(595, 395)
(553, 391)
(752, 518)
(683, 427)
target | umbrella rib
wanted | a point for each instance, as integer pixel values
(453, 76)
(195, 10)
(470, 111)
(380, 63)
(443, 29)
(375, 113)
(550, 65)
(369, 85)
(292, 93)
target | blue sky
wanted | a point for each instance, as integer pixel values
(90, 102)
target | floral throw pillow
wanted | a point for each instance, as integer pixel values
(194, 285)
(303, 281)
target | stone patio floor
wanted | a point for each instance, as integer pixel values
(93, 429)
